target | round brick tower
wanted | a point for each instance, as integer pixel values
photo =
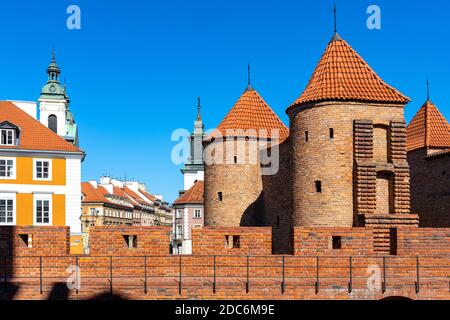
(233, 180)
(343, 95)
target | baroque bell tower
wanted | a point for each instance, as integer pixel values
(54, 105)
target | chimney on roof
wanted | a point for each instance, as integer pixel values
(105, 180)
(94, 183)
(117, 183)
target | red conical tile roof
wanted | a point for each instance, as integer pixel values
(343, 75)
(251, 112)
(428, 129)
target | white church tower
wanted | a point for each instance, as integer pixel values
(54, 106)
(194, 169)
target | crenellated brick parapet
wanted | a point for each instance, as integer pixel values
(105, 240)
(29, 240)
(329, 263)
(232, 241)
(333, 241)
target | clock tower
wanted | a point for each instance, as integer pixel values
(54, 106)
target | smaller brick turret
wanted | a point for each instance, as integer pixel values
(233, 176)
(428, 145)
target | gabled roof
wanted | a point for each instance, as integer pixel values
(251, 112)
(102, 195)
(148, 195)
(92, 194)
(428, 129)
(134, 196)
(33, 134)
(195, 195)
(343, 75)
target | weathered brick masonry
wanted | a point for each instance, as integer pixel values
(115, 240)
(319, 241)
(219, 241)
(430, 187)
(347, 273)
(277, 194)
(42, 241)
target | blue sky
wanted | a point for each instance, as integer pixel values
(136, 67)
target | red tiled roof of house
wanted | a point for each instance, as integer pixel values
(135, 196)
(119, 192)
(428, 128)
(251, 112)
(148, 195)
(92, 194)
(33, 134)
(195, 195)
(343, 75)
(100, 195)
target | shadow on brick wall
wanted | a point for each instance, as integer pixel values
(254, 215)
(59, 291)
(8, 291)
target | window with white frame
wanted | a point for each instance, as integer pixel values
(197, 213)
(7, 210)
(179, 214)
(7, 168)
(7, 137)
(42, 169)
(179, 232)
(43, 209)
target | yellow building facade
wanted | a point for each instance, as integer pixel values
(40, 175)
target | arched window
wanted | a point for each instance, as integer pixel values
(53, 123)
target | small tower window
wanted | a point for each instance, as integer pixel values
(232, 242)
(27, 240)
(219, 196)
(53, 123)
(331, 133)
(318, 185)
(337, 242)
(130, 241)
(235, 159)
(306, 136)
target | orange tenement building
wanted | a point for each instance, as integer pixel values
(40, 175)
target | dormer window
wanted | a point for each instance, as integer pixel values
(7, 137)
(9, 134)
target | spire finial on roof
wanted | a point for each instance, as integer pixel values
(428, 90)
(53, 53)
(335, 18)
(53, 70)
(198, 109)
(336, 36)
(249, 82)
